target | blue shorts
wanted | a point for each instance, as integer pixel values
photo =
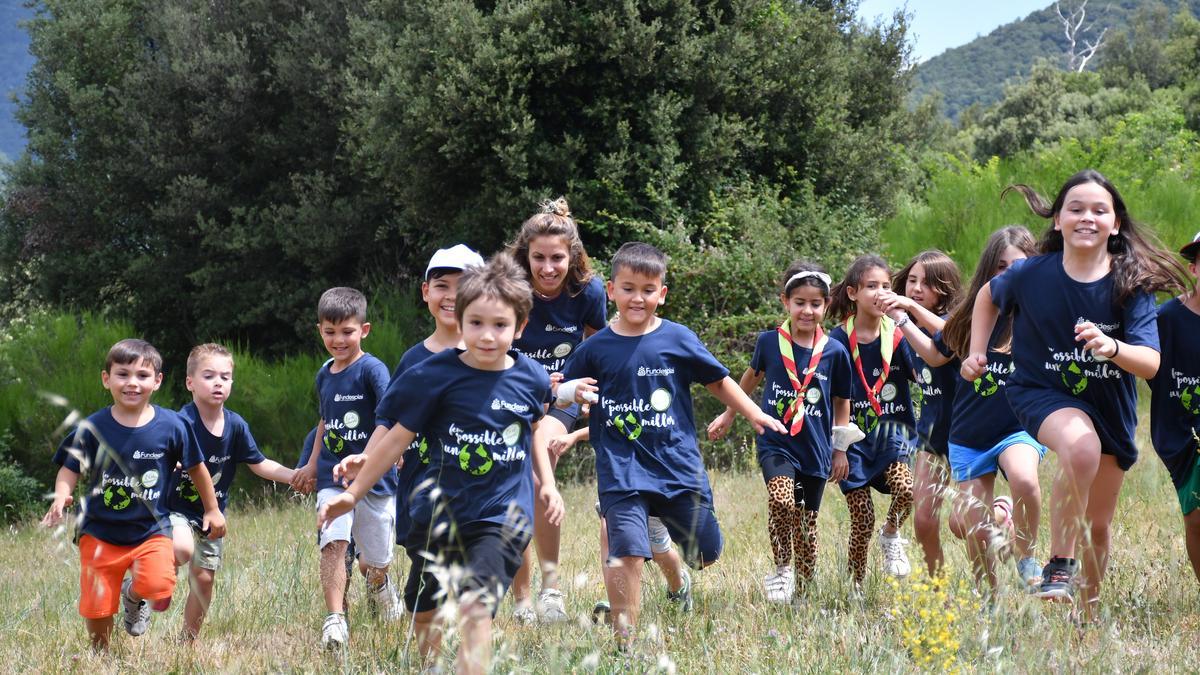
(567, 416)
(689, 518)
(489, 553)
(1032, 405)
(969, 463)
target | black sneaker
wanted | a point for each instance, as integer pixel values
(1058, 579)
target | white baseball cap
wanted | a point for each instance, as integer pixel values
(457, 257)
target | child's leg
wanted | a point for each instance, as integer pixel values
(629, 547)
(1191, 534)
(930, 477)
(491, 556)
(374, 530)
(625, 593)
(807, 497)
(899, 481)
(671, 565)
(100, 632)
(182, 539)
(429, 635)
(1069, 432)
(862, 525)
(199, 599)
(781, 518)
(523, 582)
(1020, 464)
(475, 627)
(972, 521)
(101, 570)
(153, 570)
(547, 537)
(333, 575)
(1102, 504)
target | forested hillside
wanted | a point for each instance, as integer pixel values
(977, 71)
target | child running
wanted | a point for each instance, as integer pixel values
(882, 408)
(926, 289)
(1083, 330)
(479, 408)
(985, 435)
(225, 441)
(807, 387)
(568, 306)
(128, 451)
(1175, 401)
(643, 429)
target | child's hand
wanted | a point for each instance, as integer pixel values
(973, 367)
(1094, 340)
(334, 508)
(892, 304)
(841, 467)
(304, 479)
(347, 470)
(552, 500)
(55, 515)
(720, 425)
(213, 524)
(762, 421)
(560, 444)
(581, 390)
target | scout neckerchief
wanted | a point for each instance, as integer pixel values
(889, 340)
(795, 412)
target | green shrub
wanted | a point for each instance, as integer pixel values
(20, 493)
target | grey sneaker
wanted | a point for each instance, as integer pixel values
(137, 614)
(550, 606)
(525, 614)
(1058, 579)
(1030, 572)
(385, 603)
(683, 597)
(336, 632)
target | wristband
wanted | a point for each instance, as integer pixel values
(902, 321)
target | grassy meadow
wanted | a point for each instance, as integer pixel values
(267, 613)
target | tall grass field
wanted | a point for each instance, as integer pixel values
(268, 611)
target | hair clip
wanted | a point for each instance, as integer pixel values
(819, 276)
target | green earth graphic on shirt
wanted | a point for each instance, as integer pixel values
(187, 491)
(782, 405)
(476, 461)
(866, 419)
(1074, 379)
(628, 426)
(1189, 398)
(987, 385)
(423, 451)
(334, 443)
(117, 497)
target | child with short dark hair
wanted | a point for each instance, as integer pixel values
(643, 430)
(226, 441)
(128, 451)
(1175, 401)
(479, 409)
(349, 387)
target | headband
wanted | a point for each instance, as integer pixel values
(819, 276)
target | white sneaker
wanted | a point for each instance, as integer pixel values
(895, 559)
(779, 586)
(387, 604)
(336, 632)
(550, 606)
(525, 614)
(137, 614)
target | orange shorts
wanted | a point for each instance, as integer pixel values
(102, 568)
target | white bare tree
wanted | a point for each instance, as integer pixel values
(1077, 29)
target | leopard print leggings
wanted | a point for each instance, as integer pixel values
(862, 514)
(792, 530)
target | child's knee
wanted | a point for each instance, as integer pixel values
(336, 548)
(203, 579)
(960, 525)
(926, 523)
(1191, 523)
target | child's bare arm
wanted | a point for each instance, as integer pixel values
(272, 470)
(721, 423)
(214, 520)
(983, 321)
(729, 393)
(64, 486)
(305, 478)
(389, 450)
(548, 492)
(923, 345)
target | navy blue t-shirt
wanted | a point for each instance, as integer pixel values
(222, 454)
(479, 424)
(556, 326)
(1046, 304)
(643, 427)
(348, 401)
(888, 433)
(416, 456)
(127, 470)
(982, 416)
(1175, 390)
(810, 451)
(937, 387)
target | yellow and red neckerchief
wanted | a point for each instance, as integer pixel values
(890, 339)
(795, 411)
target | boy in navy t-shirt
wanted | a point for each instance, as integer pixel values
(225, 441)
(643, 429)
(128, 451)
(1175, 402)
(349, 387)
(478, 408)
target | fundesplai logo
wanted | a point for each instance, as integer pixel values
(338, 398)
(551, 328)
(139, 454)
(643, 371)
(498, 404)
(1106, 327)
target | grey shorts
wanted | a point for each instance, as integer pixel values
(207, 554)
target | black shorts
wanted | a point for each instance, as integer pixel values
(808, 490)
(568, 416)
(490, 554)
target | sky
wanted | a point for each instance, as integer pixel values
(938, 25)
